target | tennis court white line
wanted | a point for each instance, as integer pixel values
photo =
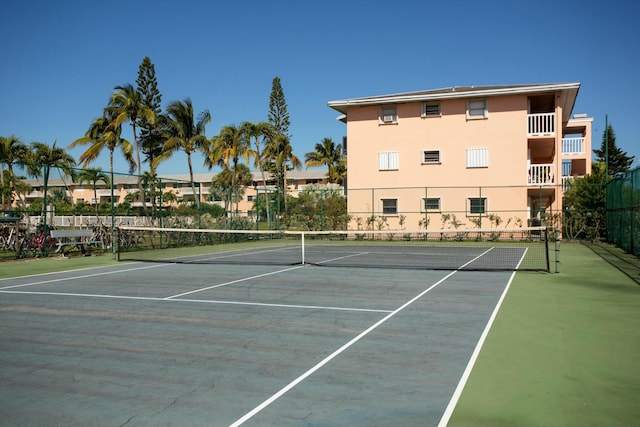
(245, 253)
(235, 281)
(476, 352)
(333, 355)
(257, 304)
(311, 307)
(60, 272)
(104, 273)
(342, 257)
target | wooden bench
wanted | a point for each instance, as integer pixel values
(70, 238)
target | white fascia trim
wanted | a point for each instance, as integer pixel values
(409, 97)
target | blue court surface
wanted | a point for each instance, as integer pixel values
(171, 344)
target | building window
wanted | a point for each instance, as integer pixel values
(431, 109)
(477, 157)
(388, 161)
(431, 157)
(389, 206)
(477, 205)
(250, 198)
(431, 203)
(389, 114)
(477, 109)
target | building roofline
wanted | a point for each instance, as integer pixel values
(457, 92)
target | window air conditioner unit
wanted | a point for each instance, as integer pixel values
(387, 119)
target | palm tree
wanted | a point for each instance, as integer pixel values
(226, 150)
(184, 133)
(262, 134)
(103, 134)
(59, 195)
(151, 181)
(13, 152)
(281, 151)
(92, 176)
(127, 105)
(327, 153)
(223, 187)
(44, 157)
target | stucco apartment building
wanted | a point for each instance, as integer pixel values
(297, 180)
(471, 152)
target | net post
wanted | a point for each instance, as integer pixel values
(302, 246)
(545, 234)
(116, 247)
(557, 244)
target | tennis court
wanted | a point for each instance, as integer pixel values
(201, 343)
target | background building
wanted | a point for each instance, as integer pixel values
(463, 156)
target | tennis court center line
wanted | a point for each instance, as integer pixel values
(346, 346)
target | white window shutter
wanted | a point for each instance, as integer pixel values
(477, 157)
(388, 160)
(393, 160)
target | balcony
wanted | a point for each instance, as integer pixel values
(541, 174)
(107, 193)
(572, 146)
(542, 124)
(566, 180)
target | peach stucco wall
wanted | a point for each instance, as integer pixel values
(503, 133)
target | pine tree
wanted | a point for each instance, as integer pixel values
(279, 149)
(619, 161)
(278, 115)
(151, 139)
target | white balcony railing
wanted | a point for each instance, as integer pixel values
(572, 145)
(541, 174)
(568, 179)
(107, 192)
(543, 124)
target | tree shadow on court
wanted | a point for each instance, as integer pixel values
(627, 263)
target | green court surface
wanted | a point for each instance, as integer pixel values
(563, 350)
(52, 264)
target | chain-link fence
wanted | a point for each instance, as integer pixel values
(102, 201)
(623, 211)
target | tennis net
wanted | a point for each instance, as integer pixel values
(524, 248)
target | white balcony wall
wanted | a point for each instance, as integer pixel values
(572, 145)
(542, 124)
(541, 174)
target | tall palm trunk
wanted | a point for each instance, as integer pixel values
(95, 197)
(113, 218)
(266, 194)
(140, 189)
(193, 186)
(233, 186)
(2, 186)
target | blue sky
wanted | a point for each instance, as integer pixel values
(62, 59)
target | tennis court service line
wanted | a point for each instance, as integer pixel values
(244, 279)
(201, 301)
(342, 257)
(346, 346)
